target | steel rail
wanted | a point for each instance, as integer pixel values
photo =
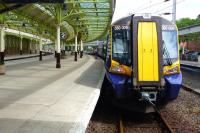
(188, 88)
(168, 127)
(170, 130)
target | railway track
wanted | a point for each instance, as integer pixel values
(173, 120)
(166, 125)
(176, 118)
(164, 121)
(188, 88)
(151, 123)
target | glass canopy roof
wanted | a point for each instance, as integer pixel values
(89, 19)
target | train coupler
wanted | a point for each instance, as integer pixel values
(148, 96)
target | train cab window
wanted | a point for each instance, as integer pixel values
(170, 46)
(121, 48)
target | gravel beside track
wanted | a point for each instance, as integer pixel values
(183, 114)
(104, 119)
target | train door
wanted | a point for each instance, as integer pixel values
(147, 52)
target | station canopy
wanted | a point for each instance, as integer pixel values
(89, 19)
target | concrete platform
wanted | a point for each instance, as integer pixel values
(38, 98)
(190, 63)
(191, 75)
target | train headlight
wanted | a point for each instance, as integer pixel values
(172, 70)
(117, 69)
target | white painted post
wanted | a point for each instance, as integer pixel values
(58, 65)
(76, 45)
(75, 56)
(64, 48)
(55, 47)
(21, 38)
(2, 39)
(30, 50)
(2, 49)
(40, 43)
(58, 39)
(72, 49)
(174, 12)
(81, 54)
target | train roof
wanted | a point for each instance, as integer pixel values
(123, 21)
(127, 20)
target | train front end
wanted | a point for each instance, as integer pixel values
(143, 65)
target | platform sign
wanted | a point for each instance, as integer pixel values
(34, 1)
(63, 35)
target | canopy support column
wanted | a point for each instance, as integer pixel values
(30, 47)
(55, 47)
(81, 54)
(75, 54)
(2, 50)
(72, 49)
(63, 48)
(20, 50)
(40, 49)
(58, 65)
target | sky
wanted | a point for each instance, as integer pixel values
(184, 8)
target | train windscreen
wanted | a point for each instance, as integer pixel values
(121, 47)
(170, 46)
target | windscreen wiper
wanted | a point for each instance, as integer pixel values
(166, 54)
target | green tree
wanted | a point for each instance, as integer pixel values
(183, 22)
(187, 22)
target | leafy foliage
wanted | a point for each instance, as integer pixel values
(187, 21)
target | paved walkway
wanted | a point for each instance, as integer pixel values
(38, 98)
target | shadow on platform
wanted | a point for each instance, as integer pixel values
(92, 76)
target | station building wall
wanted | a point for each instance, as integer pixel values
(12, 45)
(193, 45)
